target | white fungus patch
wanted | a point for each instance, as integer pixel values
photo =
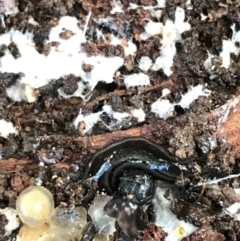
(165, 92)
(140, 79)
(19, 92)
(165, 61)
(7, 128)
(164, 109)
(168, 221)
(88, 120)
(153, 28)
(171, 33)
(234, 210)
(119, 116)
(156, 13)
(13, 221)
(145, 63)
(129, 47)
(208, 62)
(53, 66)
(160, 4)
(101, 70)
(193, 94)
(111, 24)
(228, 46)
(139, 114)
(68, 46)
(203, 17)
(189, 5)
(77, 93)
(117, 7)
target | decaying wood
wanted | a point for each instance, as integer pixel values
(165, 84)
(15, 165)
(229, 123)
(153, 131)
(228, 117)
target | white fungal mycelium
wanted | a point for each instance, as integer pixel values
(164, 109)
(228, 46)
(166, 219)
(140, 79)
(53, 66)
(145, 63)
(12, 220)
(7, 128)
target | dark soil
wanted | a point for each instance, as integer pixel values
(47, 123)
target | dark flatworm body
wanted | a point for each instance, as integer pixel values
(136, 153)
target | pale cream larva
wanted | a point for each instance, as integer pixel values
(7, 7)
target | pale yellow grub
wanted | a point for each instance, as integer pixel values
(27, 233)
(56, 234)
(35, 206)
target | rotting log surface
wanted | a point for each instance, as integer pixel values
(228, 128)
(228, 116)
(154, 131)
